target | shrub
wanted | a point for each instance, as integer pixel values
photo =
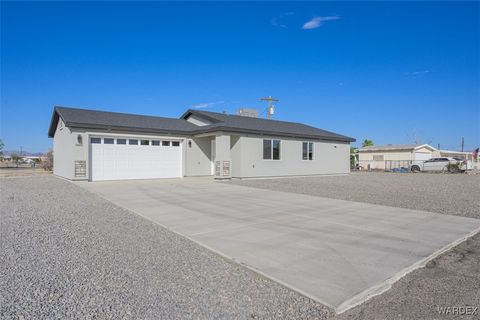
(454, 167)
(47, 161)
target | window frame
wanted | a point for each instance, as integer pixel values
(110, 141)
(155, 143)
(175, 143)
(166, 143)
(310, 151)
(124, 141)
(272, 150)
(133, 144)
(144, 142)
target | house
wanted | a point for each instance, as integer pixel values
(394, 156)
(97, 145)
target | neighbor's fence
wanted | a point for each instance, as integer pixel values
(388, 165)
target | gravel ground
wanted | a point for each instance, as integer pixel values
(455, 194)
(451, 280)
(66, 253)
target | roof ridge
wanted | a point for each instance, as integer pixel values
(115, 112)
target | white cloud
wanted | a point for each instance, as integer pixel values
(276, 22)
(206, 104)
(417, 74)
(318, 22)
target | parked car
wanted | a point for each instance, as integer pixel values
(440, 164)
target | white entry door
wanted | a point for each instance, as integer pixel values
(134, 158)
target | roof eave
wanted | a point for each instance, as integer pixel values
(276, 133)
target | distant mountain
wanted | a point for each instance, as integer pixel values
(24, 153)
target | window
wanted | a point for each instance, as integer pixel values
(271, 149)
(108, 141)
(133, 141)
(307, 150)
(96, 140)
(121, 141)
(155, 143)
(166, 143)
(276, 149)
(175, 143)
(378, 157)
(267, 149)
(145, 142)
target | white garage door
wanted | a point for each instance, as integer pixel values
(421, 156)
(133, 158)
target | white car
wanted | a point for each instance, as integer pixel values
(439, 164)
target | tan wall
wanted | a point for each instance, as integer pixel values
(366, 158)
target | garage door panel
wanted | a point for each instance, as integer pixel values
(421, 156)
(115, 162)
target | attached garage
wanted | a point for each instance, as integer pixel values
(114, 158)
(422, 156)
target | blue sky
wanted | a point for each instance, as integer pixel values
(393, 72)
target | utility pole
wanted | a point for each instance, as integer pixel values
(21, 150)
(270, 105)
(463, 143)
(438, 146)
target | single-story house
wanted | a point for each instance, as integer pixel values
(97, 145)
(394, 155)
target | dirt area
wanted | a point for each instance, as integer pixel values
(451, 280)
(455, 194)
(22, 172)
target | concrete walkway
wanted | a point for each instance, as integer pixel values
(336, 252)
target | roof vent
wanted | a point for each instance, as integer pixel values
(247, 112)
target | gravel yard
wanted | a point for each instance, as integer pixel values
(67, 253)
(455, 194)
(451, 280)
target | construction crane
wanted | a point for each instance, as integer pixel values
(270, 105)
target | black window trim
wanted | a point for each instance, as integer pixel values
(310, 150)
(271, 150)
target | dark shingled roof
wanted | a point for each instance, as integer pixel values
(265, 126)
(92, 119)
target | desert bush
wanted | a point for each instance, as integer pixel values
(47, 161)
(454, 167)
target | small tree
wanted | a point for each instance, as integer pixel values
(47, 161)
(353, 160)
(367, 143)
(1, 149)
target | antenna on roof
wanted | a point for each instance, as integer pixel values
(270, 105)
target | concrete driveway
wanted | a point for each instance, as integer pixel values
(336, 252)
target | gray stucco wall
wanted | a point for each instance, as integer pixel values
(62, 151)
(235, 154)
(66, 150)
(197, 157)
(329, 158)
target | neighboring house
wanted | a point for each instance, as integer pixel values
(96, 145)
(394, 155)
